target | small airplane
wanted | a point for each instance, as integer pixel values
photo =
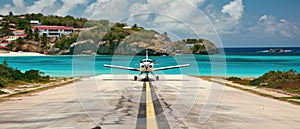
(146, 66)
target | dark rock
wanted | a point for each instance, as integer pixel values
(28, 47)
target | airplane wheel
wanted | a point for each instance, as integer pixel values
(157, 78)
(135, 78)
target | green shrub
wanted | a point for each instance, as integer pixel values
(2, 92)
(276, 78)
(239, 80)
(3, 81)
(9, 76)
(234, 79)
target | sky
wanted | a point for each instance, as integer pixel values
(228, 23)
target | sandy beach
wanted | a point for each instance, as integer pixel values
(20, 54)
(112, 102)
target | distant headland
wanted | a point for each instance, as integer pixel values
(277, 50)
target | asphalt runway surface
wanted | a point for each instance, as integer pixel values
(117, 102)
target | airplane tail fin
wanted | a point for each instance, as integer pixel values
(147, 54)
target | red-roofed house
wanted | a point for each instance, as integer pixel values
(55, 31)
(3, 45)
(3, 38)
(21, 35)
(16, 32)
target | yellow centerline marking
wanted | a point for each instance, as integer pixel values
(150, 113)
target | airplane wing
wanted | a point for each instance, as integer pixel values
(171, 67)
(121, 67)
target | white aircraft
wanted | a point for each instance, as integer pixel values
(146, 66)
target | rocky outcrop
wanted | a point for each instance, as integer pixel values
(202, 46)
(208, 48)
(86, 47)
(136, 43)
(30, 47)
(158, 44)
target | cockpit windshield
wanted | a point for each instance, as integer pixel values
(146, 60)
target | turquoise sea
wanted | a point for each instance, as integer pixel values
(243, 62)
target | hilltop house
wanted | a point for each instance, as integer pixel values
(34, 22)
(20, 33)
(126, 27)
(189, 45)
(53, 31)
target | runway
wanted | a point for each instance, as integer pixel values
(175, 102)
(151, 114)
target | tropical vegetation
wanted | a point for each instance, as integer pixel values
(10, 76)
(285, 80)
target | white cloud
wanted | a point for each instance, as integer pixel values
(270, 26)
(107, 9)
(89, 10)
(175, 16)
(19, 6)
(69, 5)
(7, 8)
(40, 6)
(196, 2)
(43, 6)
(228, 20)
(263, 18)
(167, 13)
(283, 20)
(234, 9)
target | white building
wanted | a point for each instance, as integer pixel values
(34, 22)
(18, 32)
(53, 31)
(126, 27)
(189, 45)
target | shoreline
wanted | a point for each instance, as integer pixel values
(20, 54)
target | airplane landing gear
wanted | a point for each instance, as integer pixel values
(147, 77)
(135, 78)
(157, 78)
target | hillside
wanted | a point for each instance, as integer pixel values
(94, 37)
(132, 40)
(202, 46)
